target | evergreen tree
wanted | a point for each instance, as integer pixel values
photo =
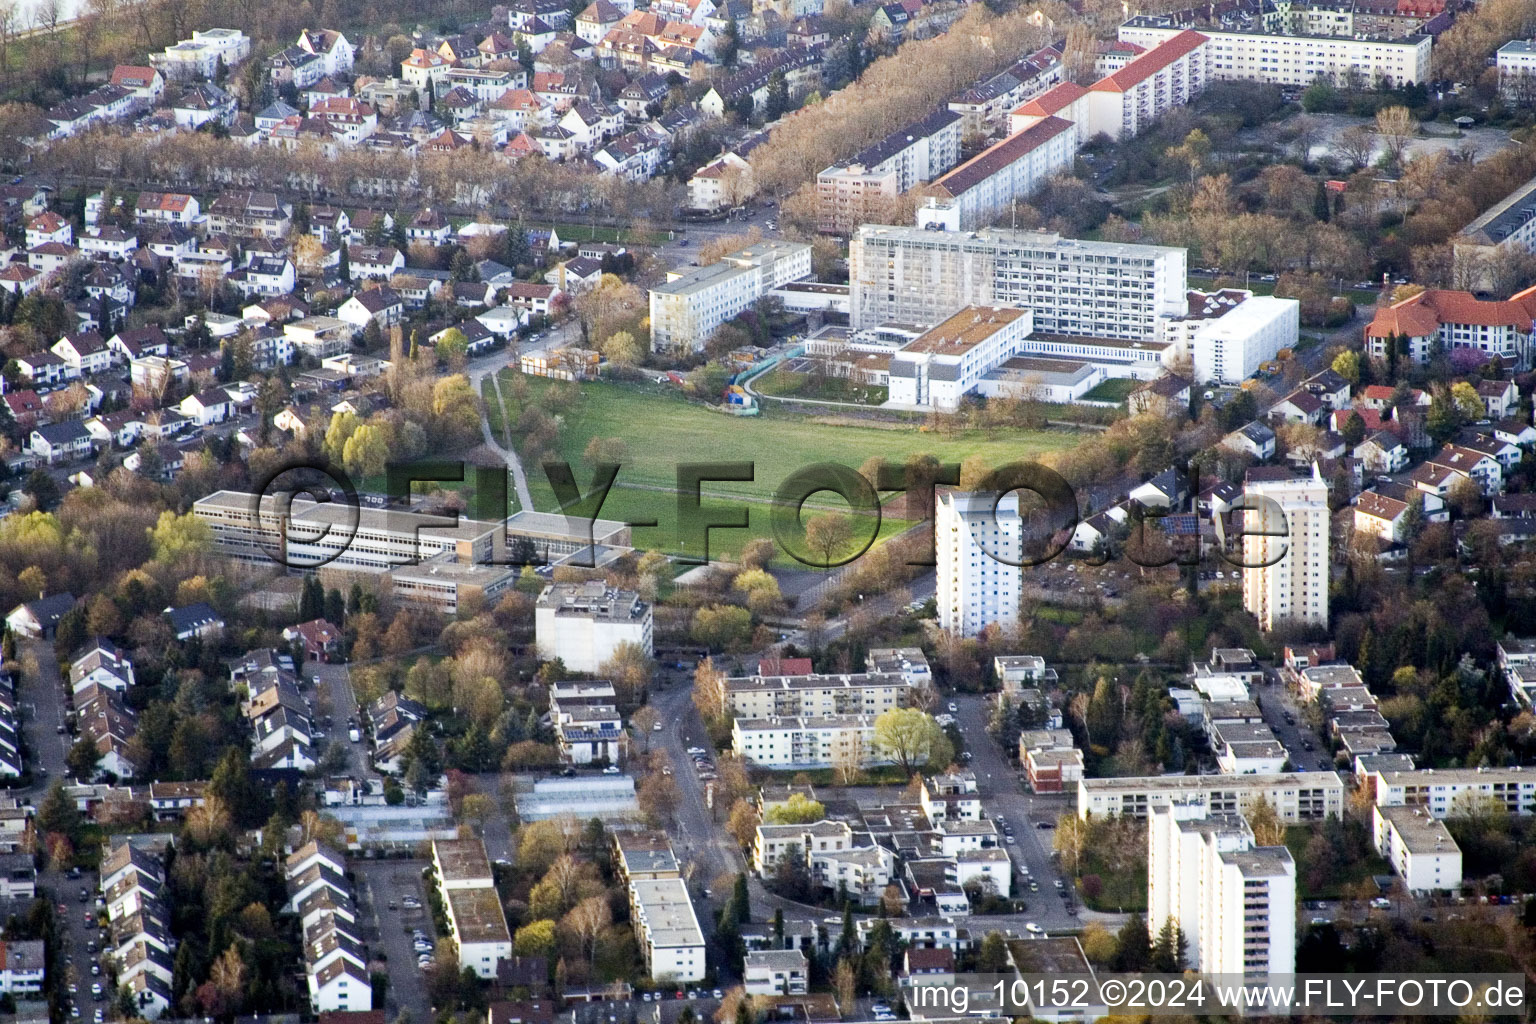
(335, 608)
(226, 370)
(742, 900)
(344, 263)
(1320, 203)
(1134, 946)
(778, 928)
(311, 600)
(848, 941)
(1167, 956)
(355, 599)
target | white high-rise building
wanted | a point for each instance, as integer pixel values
(1234, 901)
(1290, 583)
(974, 588)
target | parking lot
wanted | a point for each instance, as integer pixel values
(383, 887)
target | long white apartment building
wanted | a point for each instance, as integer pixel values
(583, 624)
(1228, 333)
(1295, 59)
(1126, 102)
(1235, 901)
(862, 693)
(1295, 796)
(975, 589)
(987, 186)
(476, 922)
(919, 152)
(1071, 286)
(1290, 584)
(302, 533)
(686, 310)
(795, 743)
(1450, 792)
(1419, 847)
(940, 367)
(671, 941)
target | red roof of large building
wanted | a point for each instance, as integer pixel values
(993, 159)
(1053, 100)
(1150, 63)
(1422, 314)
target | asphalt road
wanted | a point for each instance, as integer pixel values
(1276, 701)
(1003, 796)
(378, 883)
(335, 681)
(43, 697)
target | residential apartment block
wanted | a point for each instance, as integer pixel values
(476, 922)
(1295, 796)
(1452, 792)
(849, 193)
(686, 310)
(583, 624)
(1288, 543)
(1172, 72)
(1234, 901)
(1419, 847)
(671, 942)
(989, 184)
(868, 693)
(974, 588)
(1297, 59)
(793, 743)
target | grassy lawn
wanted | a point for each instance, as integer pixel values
(1115, 389)
(784, 384)
(1117, 891)
(1340, 876)
(493, 409)
(661, 430)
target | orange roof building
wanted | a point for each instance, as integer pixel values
(1441, 319)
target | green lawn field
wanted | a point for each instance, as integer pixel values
(660, 430)
(1115, 389)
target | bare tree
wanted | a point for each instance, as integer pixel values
(1395, 126)
(1356, 144)
(587, 921)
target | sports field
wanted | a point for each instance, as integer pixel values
(661, 430)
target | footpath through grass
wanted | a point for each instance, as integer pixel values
(661, 430)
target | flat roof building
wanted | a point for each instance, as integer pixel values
(670, 939)
(1295, 796)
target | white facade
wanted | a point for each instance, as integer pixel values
(1295, 587)
(1170, 74)
(938, 369)
(974, 588)
(1516, 61)
(1234, 901)
(986, 186)
(1071, 286)
(584, 624)
(1451, 792)
(1419, 847)
(668, 930)
(1297, 60)
(686, 310)
(1229, 348)
(1295, 796)
(795, 743)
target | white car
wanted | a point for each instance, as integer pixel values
(612, 769)
(953, 708)
(1032, 928)
(657, 727)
